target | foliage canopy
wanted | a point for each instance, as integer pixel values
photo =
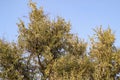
(46, 50)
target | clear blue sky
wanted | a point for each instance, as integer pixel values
(84, 15)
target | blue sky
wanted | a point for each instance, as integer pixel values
(84, 15)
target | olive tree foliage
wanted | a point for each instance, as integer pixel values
(47, 50)
(12, 66)
(104, 55)
(7, 70)
(46, 41)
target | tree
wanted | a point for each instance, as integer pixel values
(11, 63)
(103, 54)
(47, 50)
(43, 40)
